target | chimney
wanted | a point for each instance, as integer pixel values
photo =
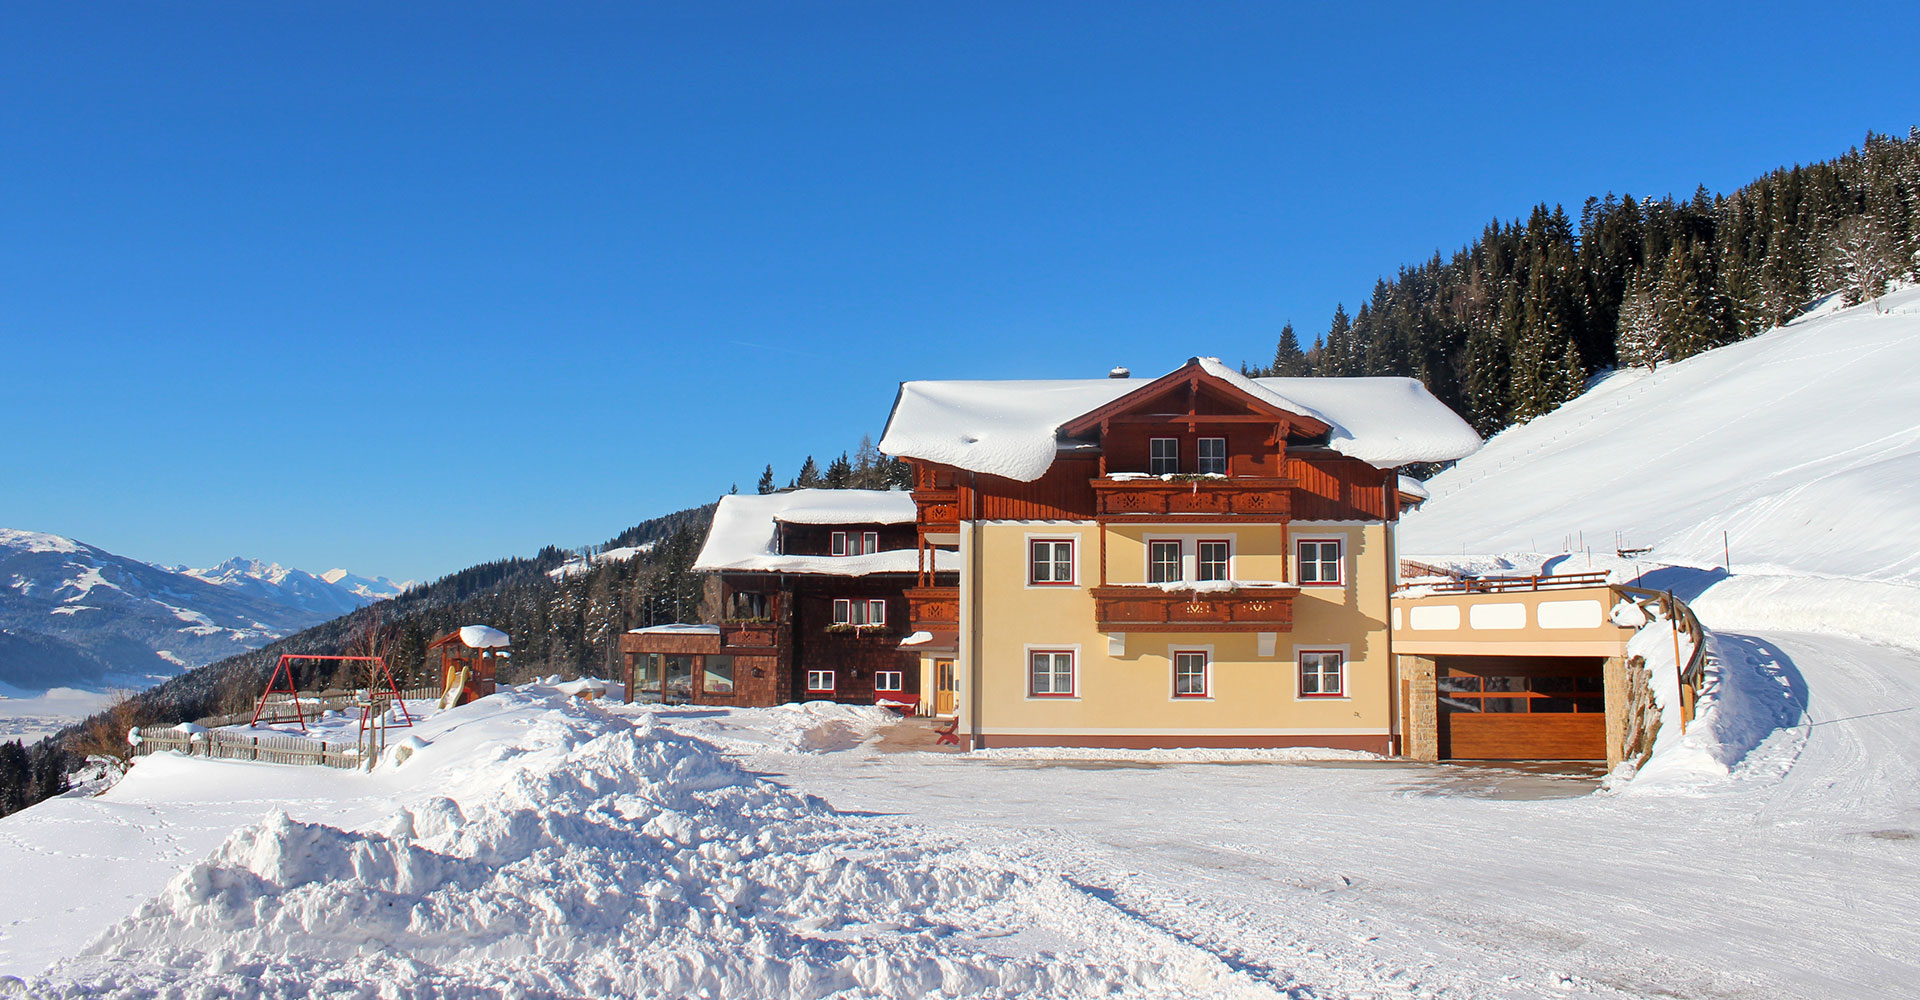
(1120, 373)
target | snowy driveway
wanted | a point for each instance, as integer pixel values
(1799, 875)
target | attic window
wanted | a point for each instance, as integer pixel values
(855, 543)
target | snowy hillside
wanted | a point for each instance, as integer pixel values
(585, 563)
(1802, 445)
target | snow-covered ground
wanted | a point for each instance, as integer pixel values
(547, 847)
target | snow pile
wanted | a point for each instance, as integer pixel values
(1802, 445)
(1742, 704)
(1010, 428)
(745, 533)
(597, 859)
(805, 728)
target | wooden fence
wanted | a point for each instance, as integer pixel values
(226, 744)
(222, 744)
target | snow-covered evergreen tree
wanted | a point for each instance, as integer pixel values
(1637, 342)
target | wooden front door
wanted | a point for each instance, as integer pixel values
(945, 691)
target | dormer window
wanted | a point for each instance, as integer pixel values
(1164, 456)
(855, 543)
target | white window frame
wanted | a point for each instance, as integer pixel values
(1300, 692)
(876, 611)
(837, 543)
(1205, 653)
(1073, 560)
(843, 611)
(812, 686)
(1072, 652)
(1339, 561)
(899, 681)
(869, 543)
(1154, 458)
(1201, 458)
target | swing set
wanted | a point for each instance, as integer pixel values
(379, 695)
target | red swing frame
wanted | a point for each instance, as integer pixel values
(283, 668)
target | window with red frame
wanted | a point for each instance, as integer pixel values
(855, 543)
(1050, 673)
(1214, 560)
(852, 611)
(1190, 674)
(1319, 561)
(1050, 561)
(1322, 673)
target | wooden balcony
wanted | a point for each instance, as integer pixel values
(933, 609)
(749, 636)
(1247, 498)
(1150, 609)
(937, 510)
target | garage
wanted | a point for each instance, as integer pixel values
(1521, 708)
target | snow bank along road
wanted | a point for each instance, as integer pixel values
(540, 847)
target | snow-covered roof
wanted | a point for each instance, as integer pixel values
(483, 637)
(677, 629)
(1413, 487)
(746, 529)
(847, 507)
(1009, 428)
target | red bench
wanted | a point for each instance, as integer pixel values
(906, 703)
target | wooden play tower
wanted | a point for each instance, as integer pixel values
(468, 660)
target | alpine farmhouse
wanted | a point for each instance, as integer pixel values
(1197, 560)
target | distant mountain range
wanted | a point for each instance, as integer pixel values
(76, 615)
(330, 594)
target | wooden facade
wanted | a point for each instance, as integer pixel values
(777, 631)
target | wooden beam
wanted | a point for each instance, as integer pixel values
(1186, 418)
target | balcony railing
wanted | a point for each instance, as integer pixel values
(934, 608)
(1152, 609)
(1246, 497)
(937, 509)
(754, 635)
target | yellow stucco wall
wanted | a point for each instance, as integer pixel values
(1130, 693)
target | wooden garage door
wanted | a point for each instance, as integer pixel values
(1545, 712)
(1475, 736)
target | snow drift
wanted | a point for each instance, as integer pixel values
(595, 857)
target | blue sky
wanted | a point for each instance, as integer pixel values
(405, 287)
